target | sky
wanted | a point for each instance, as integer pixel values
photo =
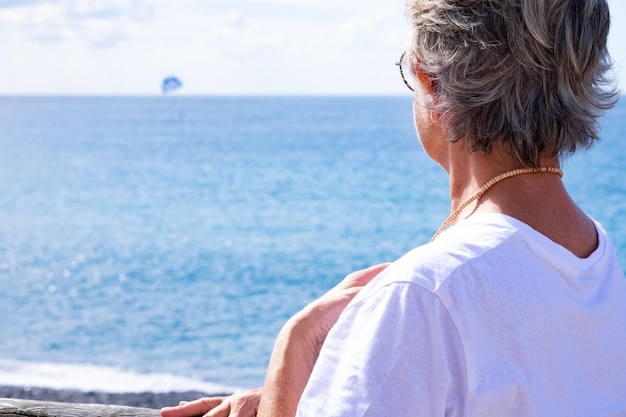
(216, 47)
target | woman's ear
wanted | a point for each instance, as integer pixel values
(427, 85)
(426, 81)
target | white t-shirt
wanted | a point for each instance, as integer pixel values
(491, 319)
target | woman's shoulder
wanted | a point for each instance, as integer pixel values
(488, 245)
(430, 266)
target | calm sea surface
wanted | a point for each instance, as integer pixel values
(160, 243)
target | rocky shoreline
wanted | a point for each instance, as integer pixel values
(154, 400)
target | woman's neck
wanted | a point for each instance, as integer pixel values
(538, 199)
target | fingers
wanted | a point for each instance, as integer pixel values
(222, 410)
(192, 408)
(362, 277)
(244, 404)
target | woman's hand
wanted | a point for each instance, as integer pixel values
(321, 315)
(299, 342)
(243, 404)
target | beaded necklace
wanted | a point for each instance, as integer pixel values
(452, 217)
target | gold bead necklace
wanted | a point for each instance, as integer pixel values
(452, 217)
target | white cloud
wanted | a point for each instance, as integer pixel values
(95, 23)
(241, 38)
(109, 9)
(246, 37)
(19, 3)
(378, 29)
(229, 47)
(352, 6)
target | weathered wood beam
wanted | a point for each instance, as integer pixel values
(30, 408)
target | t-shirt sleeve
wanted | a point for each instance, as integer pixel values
(395, 352)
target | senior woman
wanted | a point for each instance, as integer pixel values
(517, 307)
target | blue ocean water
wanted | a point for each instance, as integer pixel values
(163, 241)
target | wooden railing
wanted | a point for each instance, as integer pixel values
(30, 408)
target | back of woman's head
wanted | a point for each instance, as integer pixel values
(531, 73)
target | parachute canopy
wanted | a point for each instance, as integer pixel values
(170, 84)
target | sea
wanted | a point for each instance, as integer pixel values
(153, 244)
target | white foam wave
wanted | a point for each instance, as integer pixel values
(85, 377)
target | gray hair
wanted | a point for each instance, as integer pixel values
(533, 74)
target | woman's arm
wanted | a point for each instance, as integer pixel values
(299, 342)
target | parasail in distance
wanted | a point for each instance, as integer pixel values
(170, 84)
